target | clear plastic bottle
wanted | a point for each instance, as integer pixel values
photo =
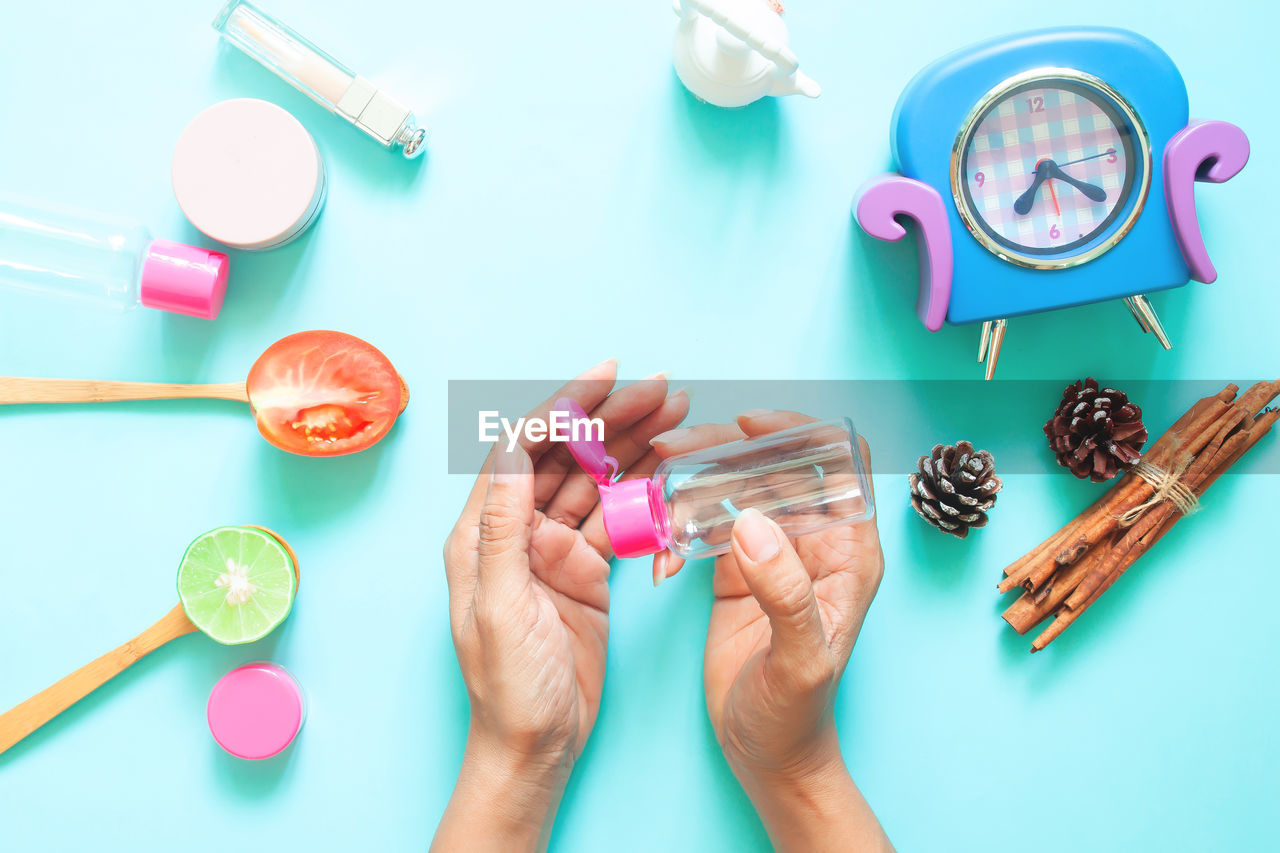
(806, 479)
(106, 259)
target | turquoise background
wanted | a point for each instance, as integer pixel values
(577, 204)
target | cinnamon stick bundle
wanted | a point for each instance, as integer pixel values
(1071, 569)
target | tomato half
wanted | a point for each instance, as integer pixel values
(324, 394)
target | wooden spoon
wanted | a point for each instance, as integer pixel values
(301, 390)
(18, 390)
(23, 719)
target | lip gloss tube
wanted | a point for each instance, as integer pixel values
(320, 77)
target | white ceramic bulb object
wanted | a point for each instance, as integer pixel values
(734, 52)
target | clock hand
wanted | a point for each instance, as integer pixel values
(1089, 191)
(1052, 192)
(1022, 206)
(1106, 153)
(1047, 169)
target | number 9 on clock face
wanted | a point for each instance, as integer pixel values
(1051, 169)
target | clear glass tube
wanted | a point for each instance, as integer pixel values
(807, 478)
(319, 76)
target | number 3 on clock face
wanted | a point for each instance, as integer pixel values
(1050, 169)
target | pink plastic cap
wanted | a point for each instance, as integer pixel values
(634, 516)
(184, 279)
(588, 452)
(255, 711)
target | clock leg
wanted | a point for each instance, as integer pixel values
(1148, 314)
(1137, 315)
(984, 342)
(993, 349)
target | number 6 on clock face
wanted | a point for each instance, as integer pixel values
(1050, 169)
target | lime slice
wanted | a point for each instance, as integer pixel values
(293, 557)
(236, 584)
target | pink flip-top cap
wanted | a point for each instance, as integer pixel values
(184, 279)
(633, 516)
(634, 512)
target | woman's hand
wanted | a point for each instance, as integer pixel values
(528, 570)
(783, 624)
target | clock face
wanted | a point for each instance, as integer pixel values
(1051, 169)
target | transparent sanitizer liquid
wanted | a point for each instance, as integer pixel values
(806, 478)
(71, 253)
(109, 260)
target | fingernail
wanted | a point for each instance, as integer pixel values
(670, 436)
(755, 413)
(662, 374)
(659, 570)
(688, 395)
(755, 535)
(607, 361)
(511, 463)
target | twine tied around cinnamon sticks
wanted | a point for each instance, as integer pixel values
(1066, 574)
(1168, 485)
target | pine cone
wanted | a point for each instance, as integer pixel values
(955, 488)
(1096, 432)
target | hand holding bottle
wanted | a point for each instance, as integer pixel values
(783, 624)
(528, 570)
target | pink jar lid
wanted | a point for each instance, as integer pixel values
(255, 711)
(247, 174)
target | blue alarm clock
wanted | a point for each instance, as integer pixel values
(1045, 170)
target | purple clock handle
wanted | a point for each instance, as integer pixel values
(877, 206)
(1212, 151)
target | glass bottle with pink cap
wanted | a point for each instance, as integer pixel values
(106, 259)
(806, 478)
